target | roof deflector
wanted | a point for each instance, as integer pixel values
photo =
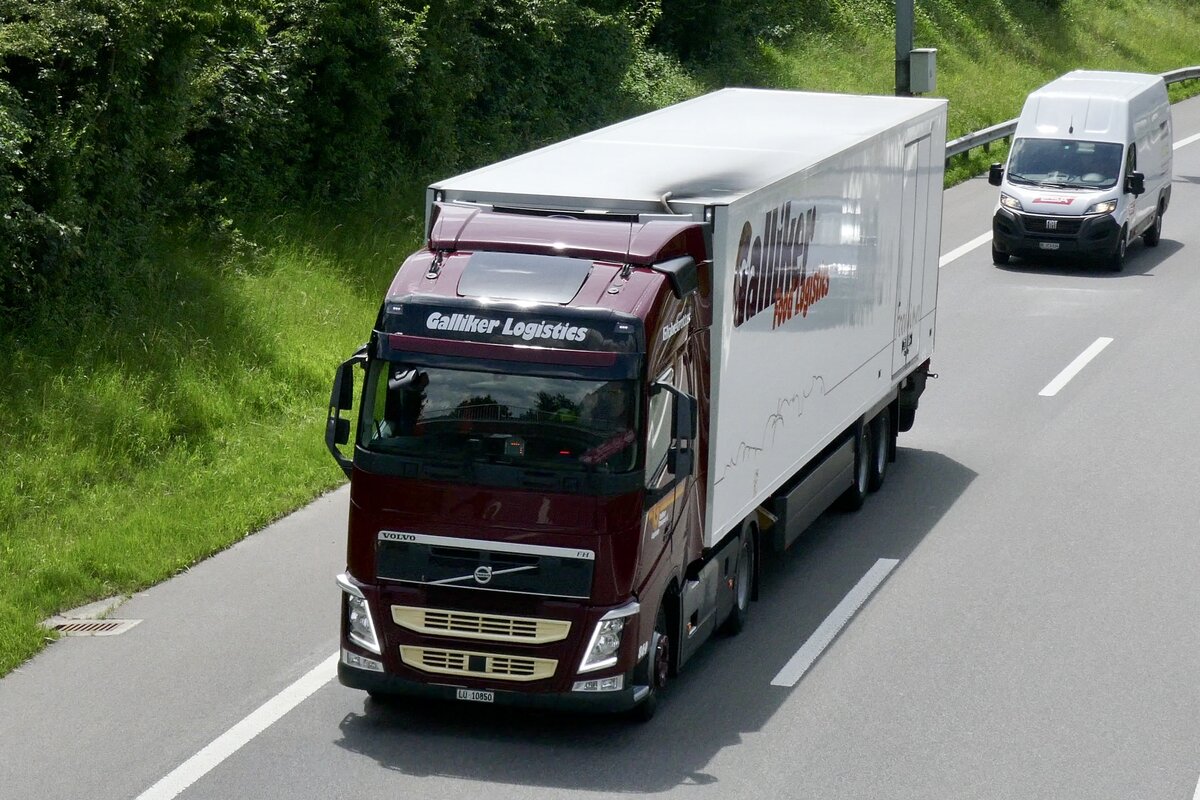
(522, 276)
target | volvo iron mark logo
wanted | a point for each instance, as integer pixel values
(483, 575)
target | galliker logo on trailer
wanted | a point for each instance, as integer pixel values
(772, 267)
(528, 331)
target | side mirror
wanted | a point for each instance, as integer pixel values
(337, 430)
(680, 461)
(996, 174)
(683, 421)
(1135, 184)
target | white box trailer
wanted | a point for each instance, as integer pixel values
(825, 217)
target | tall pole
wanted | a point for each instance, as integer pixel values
(904, 46)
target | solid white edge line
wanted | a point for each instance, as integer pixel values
(1176, 146)
(959, 252)
(1075, 366)
(233, 739)
(825, 633)
(1196, 795)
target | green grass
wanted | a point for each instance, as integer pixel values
(146, 430)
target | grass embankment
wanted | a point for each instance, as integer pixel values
(139, 440)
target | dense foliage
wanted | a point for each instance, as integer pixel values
(118, 114)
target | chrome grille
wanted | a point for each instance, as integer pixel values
(478, 665)
(488, 627)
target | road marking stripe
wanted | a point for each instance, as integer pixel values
(1075, 366)
(1196, 796)
(1181, 143)
(959, 252)
(811, 650)
(233, 739)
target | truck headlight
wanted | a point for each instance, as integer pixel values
(1008, 201)
(359, 627)
(1107, 207)
(606, 638)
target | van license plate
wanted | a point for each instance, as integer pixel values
(476, 696)
(1048, 245)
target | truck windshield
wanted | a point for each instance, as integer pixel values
(1065, 163)
(523, 420)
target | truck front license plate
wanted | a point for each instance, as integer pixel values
(1048, 245)
(476, 696)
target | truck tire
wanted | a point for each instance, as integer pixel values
(1116, 259)
(854, 497)
(1154, 232)
(659, 666)
(881, 449)
(743, 584)
(998, 258)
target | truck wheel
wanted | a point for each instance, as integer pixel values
(1116, 261)
(743, 585)
(854, 497)
(1154, 233)
(881, 446)
(660, 666)
(998, 257)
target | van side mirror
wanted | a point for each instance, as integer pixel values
(1135, 184)
(996, 174)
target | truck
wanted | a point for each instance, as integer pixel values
(1089, 170)
(622, 370)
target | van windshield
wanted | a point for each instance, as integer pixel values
(1065, 163)
(527, 421)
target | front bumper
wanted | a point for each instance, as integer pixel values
(1023, 234)
(597, 702)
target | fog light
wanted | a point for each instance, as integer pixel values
(361, 662)
(614, 684)
(606, 639)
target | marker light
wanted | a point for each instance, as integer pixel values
(606, 639)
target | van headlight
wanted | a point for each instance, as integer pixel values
(606, 638)
(1008, 201)
(359, 627)
(1106, 207)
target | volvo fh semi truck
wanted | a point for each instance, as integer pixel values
(624, 369)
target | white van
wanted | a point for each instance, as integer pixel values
(1089, 168)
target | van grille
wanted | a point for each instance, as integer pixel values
(1052, 226)
(487, 627)
(478, 665)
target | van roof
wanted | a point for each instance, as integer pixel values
(1100, 106)
(1095, 83)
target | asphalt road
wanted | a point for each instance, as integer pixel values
(1037, 637)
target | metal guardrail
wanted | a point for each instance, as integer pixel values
(983, 138)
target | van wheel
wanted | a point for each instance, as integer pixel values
(854, 497)
(881, 448)
(1116, 261)
(743, 585)
(998, 258)
(1151, 236)
(659, 666)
